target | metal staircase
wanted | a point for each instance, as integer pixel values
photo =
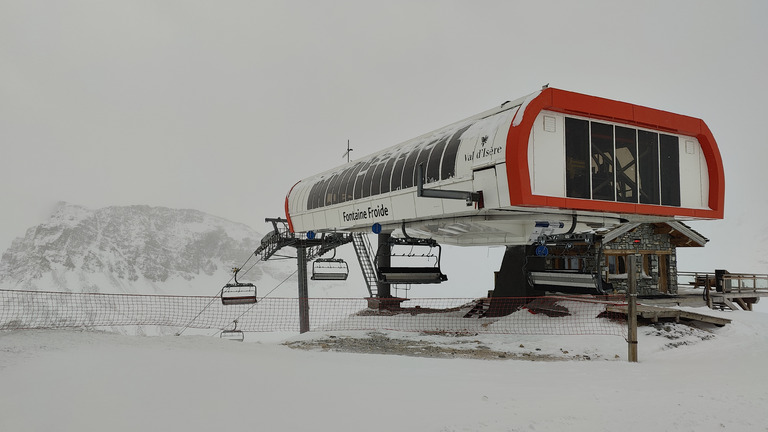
(281, 237)
(365, 257)
(271, 243)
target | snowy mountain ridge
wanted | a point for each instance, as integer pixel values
(130, 249)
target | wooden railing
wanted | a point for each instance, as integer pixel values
(726, 282)
(744, 283)
(695, 280)
(722, 287)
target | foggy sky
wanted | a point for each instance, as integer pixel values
(223, 106)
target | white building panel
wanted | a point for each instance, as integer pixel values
(704, 180)
(332, 216)
(464, 156)
(294, 197)
(690, 173)
(304, 194)
(306, 221)
(502, 182)
(428, 207)
(546, 155)
(485, 180)
(383, 210)
(490, 139)
(363, 213)
(403, 206)
(452, 207)
(318, 219)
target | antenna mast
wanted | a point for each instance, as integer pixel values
(347, 152)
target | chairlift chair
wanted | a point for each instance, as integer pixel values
(234, 334)
(417, 274)
(330, 269)
(569, 282)
(238, 292)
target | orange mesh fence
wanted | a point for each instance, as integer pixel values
(535, 315)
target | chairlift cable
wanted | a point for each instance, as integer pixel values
(217, 295)
(249, 268)
(262, 298)
(200, 313)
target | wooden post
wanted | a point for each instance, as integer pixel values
(632, 308)
(707, 287)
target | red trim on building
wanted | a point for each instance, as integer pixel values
(287, 213)
(620, 112)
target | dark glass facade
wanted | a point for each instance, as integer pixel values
(577, 158)
(625, 164)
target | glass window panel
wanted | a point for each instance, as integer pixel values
(359, 178)
(335, 187)
(648, 166)
(351, 181)
(314, 196)
(332, 190)
(386, 175)
(577, 158)
(669, 159)
(309, 198)
(602, 162)
(323, 199)
(617, 264)
(342, 186)
(320, 193)
(423, 159)
(408, 169)
(433, 166)
(448, 166)
(376, 180)
(397, 172)
(368, 179)
(626, 164)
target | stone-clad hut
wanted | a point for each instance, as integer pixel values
(657, 244)
(596, 263)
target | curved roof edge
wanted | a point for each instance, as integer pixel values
(566, 102)
(287, 210)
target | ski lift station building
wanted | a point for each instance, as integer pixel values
(558, 159)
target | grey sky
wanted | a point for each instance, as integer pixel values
(223, 106)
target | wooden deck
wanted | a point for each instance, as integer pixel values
(656, 314)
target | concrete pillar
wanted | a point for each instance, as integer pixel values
(383, 259)
(512, 280)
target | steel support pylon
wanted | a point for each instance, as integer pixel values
(301, 258)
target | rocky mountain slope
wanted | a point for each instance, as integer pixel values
(134, 249)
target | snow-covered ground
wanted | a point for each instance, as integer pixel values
(686, 380)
